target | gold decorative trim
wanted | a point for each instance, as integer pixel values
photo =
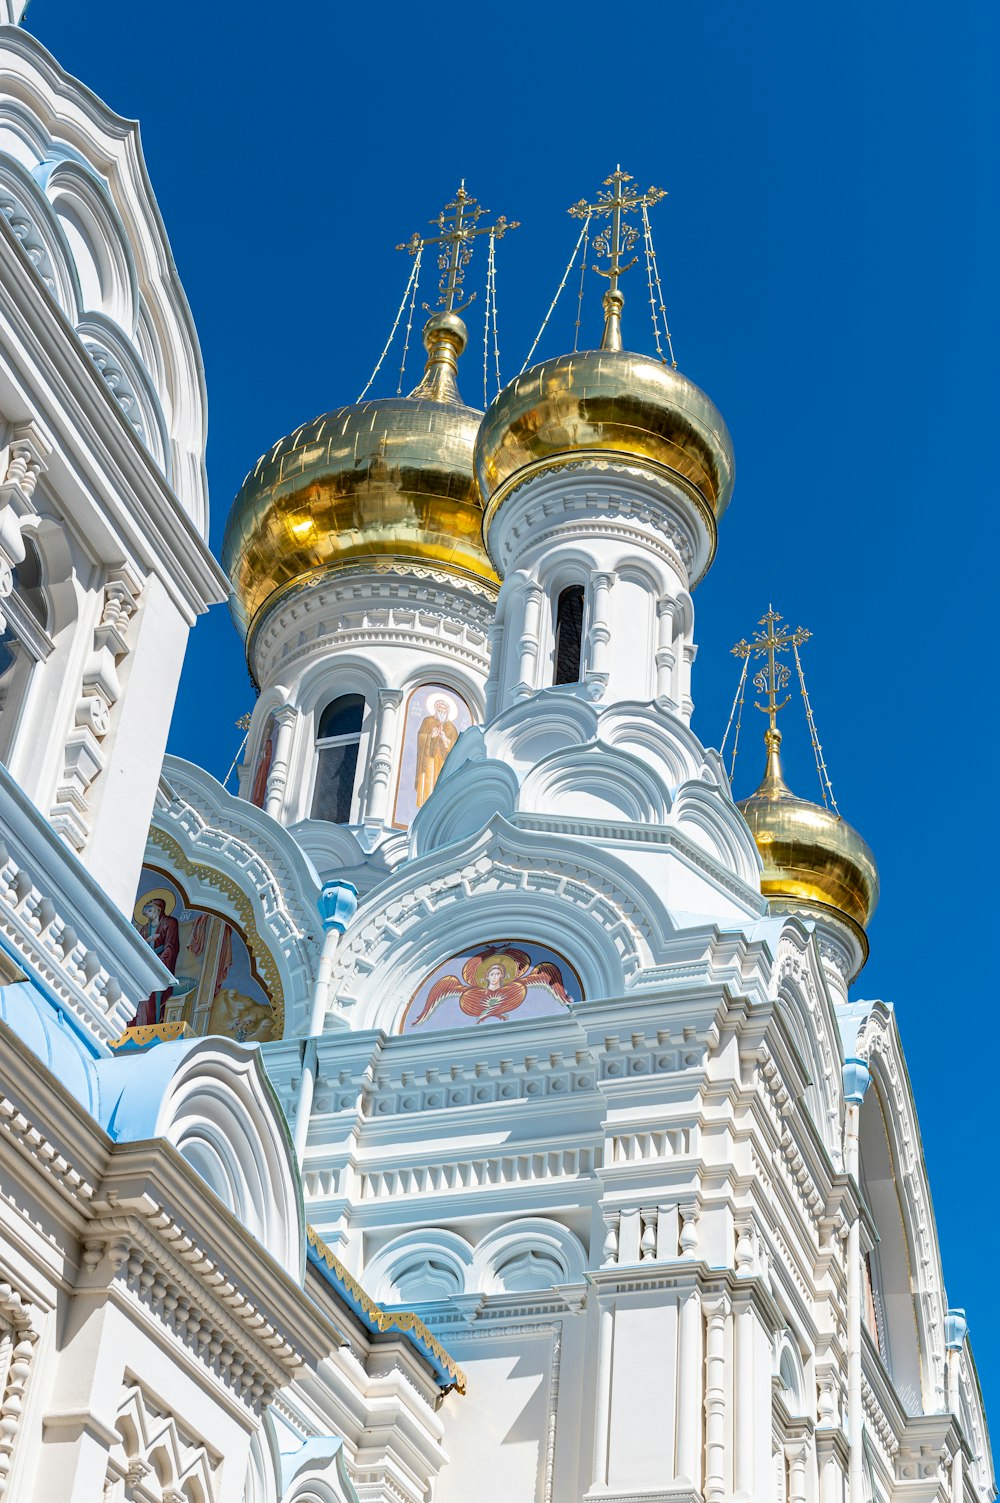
(262, 958)
(387, 1320)
(149, 1033)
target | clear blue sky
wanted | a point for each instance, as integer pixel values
(829, 248)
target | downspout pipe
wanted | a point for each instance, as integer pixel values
(337, 904)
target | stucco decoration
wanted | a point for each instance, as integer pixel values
(75, 195)
(892, 1167)
(235, 860)
(421, 1265)
(804, 1001)
(211, 1099)
(505, 881)
(530, 1254)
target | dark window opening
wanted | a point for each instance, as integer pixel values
(337, 743)
(28, 583)
(569, 635)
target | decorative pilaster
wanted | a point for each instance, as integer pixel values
(26, 456)
(380, 771)
(100, 691)
(277, 779)
(666, 659)
(690, 1369)
(528, 644)
(599, 635)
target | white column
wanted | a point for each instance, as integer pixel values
(278, 776)
(528, 645)
(689, 1393)
(796, 1453)
(599, 635)
(744, 1405)
(715, 1401)
(665, 657)
(380, 773)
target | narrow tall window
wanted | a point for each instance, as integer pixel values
(337, 742)
(569, 635)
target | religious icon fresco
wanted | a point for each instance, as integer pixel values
(435, 717)
(491, 983)
(217, 988)
(262, 771)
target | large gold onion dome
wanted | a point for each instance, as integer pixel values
(813, 859)
(600, 403)
(381, 480)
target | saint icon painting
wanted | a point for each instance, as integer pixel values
(492, 983)
(435, 717)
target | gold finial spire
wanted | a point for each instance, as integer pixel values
(457, 223)
(615, 241)
(445, 334)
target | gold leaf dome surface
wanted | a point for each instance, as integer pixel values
(606, 401)
(812, 857)
(379, 480)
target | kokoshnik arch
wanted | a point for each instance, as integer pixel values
(474, 1105)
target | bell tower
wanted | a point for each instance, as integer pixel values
(604, 474)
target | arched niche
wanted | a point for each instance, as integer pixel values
(227, 982)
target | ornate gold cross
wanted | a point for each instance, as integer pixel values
(619, 237)
(615, 241)
(458, 223)
(772, 679)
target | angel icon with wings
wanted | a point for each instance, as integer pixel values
(494, 983)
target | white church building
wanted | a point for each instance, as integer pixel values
(476, 1107)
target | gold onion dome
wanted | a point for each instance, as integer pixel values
(601, 403)
(813, 859)
(382, 480)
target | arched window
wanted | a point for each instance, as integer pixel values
(569, 635)
(337, 742)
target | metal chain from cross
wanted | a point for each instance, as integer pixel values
(772, 679)
(458, 224)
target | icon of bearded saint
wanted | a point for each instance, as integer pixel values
(494, 983)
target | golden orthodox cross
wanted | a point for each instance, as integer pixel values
(772, 678)
(615, 241)
(458, 223)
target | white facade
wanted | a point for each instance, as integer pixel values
(650, 1223)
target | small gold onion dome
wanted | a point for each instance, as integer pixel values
(599, 403)
(812, 857)
(389, 479)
